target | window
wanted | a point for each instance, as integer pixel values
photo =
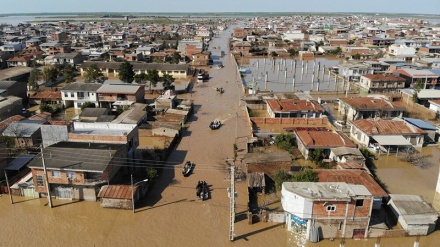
(70, 175)
(331, 208)
(56, 174)
(66, 95)
(360, 203)
(40, 182)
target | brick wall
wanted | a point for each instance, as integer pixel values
(78, 180)
(97, 138)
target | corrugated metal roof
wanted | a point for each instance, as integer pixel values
(351, 177)
(413, 209)
(117, 191)
(19, 162)
(392, 140)
(385, 127)
(119, 88)
(78, 87)
(420, 123)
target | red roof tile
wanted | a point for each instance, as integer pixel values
(326, 139)
(289, 105)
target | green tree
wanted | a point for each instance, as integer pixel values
(153, 77)
(273, 54)
(316, 156)
(307, 175)
(87, 105)
(93, 74)
(141, 78)
(33, 79)
(167, 81)
(126, 73)
(357, 56)
(152, 174)
(280, 177)
(50, 74)
(284, 141)
(417, 88)
(292, 52)
(68, 73)
(175, 57)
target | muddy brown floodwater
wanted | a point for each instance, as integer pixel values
(170, 215)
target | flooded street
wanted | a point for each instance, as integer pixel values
(170, 214)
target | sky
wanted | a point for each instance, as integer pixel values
(373, 6)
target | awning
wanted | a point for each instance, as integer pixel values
(392, 140)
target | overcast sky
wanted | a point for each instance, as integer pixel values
(375, 6)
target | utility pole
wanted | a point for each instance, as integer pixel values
(232, 203)
(9, 188)
(47, 179)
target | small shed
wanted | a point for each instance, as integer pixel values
(120, 196)
(416, 216)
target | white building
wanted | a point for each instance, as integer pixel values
(401, 50)
(76, 94)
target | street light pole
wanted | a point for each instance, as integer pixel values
(9, 188)
(132, 190)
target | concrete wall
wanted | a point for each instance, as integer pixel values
(116, 203)
(298, 121)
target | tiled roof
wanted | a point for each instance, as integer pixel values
(326, 139)
(351, 177)
(384, 77)
(369, 103)
(117, 191)
(46, 95)
(379, 126)
(289, 105)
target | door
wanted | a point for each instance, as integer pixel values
(63, 192)
(30, 192)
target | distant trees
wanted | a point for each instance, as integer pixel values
(284, 141)
(167, 81)
(68, 73)
(93, 74)
(50, 74)
(87, 105)
(306, 175)
(316, 156)
(126, 72)
(33, 78)
(273, 54)
(417, 88)
(153, 77)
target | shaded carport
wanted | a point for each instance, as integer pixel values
(392, 143)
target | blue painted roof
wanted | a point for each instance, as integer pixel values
(435, 71)
(420, 123)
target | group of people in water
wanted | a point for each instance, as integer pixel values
(202, 190)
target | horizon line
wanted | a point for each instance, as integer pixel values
(214, 12)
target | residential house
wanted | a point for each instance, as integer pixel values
(353, 71)
(117, 95)
(361, 177)
(121, 196)
(241, 48)
(13, 88)
(12, 47)
(54, 131)
(178, 71)
(19, 61)
(400, 50)
(76, 170)
(308, 141)
(76, 94)
(415, 215)
(382, 83)
(386, 135)
(26, 133)
(327, 209)
(413, 76)
(10, 106)
(167, 100)
(290, 108)
(347, 155)
(47, 97)
(432, 131)
(379, 41)
(354, 108)
(201, 58)
(429, 49)
(68, 58)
